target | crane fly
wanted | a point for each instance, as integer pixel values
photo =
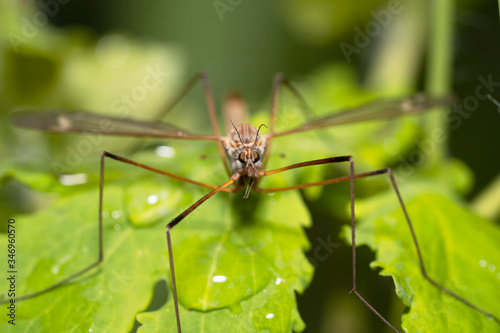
(244, 152)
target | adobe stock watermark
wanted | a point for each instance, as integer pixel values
(223, 6)
(494, 101)
(470, 104)
(454, 119)
(121, 106)
(323, 250)
(409, 163)
(30, 26)
(381, 18)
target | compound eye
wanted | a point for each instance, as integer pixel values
(240, 158)
(256, 157)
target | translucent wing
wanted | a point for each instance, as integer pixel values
(382, 109)
(86, 122)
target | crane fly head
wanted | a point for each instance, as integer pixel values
(249, 154)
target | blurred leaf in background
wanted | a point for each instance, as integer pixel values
(47, 68)
(320, 22)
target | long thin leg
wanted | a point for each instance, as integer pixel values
(101, 187)
(213, 118)
(203, 76)
(351, 178)
(422, 267)
(281, 80)
(86, 269)
(161, 172)
(407, 217)
(303, 104)
(172, 102)
(417, 248)
(278, 80)
(176, 221)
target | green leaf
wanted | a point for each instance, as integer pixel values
(460, 251)
(241, 259)
(61, 240)
(268, 310)
(73, 69)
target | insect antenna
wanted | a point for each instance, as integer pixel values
(239, 136)
(257, 136)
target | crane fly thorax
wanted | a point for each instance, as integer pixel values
(245, 150)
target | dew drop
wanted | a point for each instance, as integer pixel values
(219, 278)
(116, 214)
(117, 227)
(55, 269)
(76, 179)
(64, 259)
(278, 281)
(165, 151)
(270, 315)
(152, 199)
(483, 263)
(492, 267)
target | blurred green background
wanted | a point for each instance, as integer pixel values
(254, 40)
(242, 44)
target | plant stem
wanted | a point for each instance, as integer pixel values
(440, 59)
